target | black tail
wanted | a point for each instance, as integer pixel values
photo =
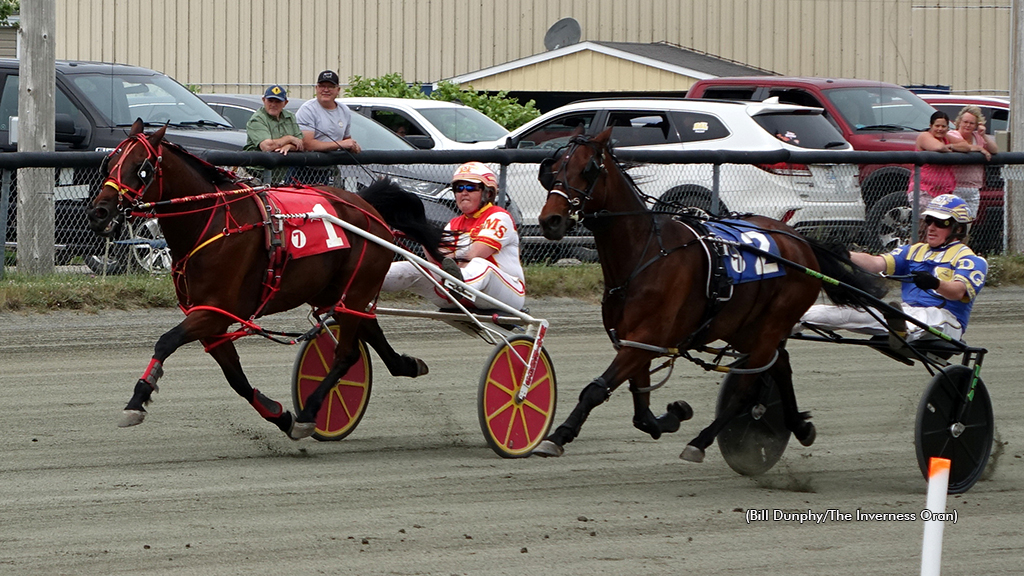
(835, 263)
(404, 211)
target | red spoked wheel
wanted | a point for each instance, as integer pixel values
(346, 402)
(513, 429)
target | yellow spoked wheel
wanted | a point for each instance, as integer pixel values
(513, 429)
(345, 404)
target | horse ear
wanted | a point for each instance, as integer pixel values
(137, 127)
(157, 136)
(604, 136)
(577, 131)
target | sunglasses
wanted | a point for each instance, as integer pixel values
(928, 220)
(467, 187)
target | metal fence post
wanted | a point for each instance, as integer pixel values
(5, 200)
(716, 174)
(915, 205)
(502, 184)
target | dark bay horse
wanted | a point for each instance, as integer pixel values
(655, 302)
(227, 268)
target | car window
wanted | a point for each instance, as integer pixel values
(995, 118)
(237, 116)
(396, 122)
(464, 124)
(156, 99)
(643, 128)
(695, 127)
(881, 108)
(9, 104)
(556, 132)
(373, 136)
(803, 129)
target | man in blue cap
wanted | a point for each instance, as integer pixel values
(274, 129)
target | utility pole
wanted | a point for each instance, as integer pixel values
(1014, 200)
(36, 127)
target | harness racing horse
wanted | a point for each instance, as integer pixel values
(655, 303)
(230, 265)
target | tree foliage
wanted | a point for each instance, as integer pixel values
(500, 107)
(8, 8)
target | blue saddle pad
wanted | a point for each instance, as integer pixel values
(745, 265)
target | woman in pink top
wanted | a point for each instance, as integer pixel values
(936, 179)
(970, 128)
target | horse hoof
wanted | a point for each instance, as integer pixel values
(681, 409)
(809, 435)
(547, 448)
(131, 418)
(300, 430)
(692, 454)
(421, 368)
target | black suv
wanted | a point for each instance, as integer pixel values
(96, 105)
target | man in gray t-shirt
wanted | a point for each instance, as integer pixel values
(325, 126)
(325, 123)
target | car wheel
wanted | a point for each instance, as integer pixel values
(676, 199)
(889, 223)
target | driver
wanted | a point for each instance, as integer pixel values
(484, 249)
(947, 277)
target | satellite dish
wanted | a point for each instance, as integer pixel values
(562, 33)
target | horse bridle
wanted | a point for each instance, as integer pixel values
(147, 172)
(560, 186)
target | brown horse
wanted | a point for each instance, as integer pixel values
(656, 270)
(228, 264)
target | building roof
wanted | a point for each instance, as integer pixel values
(660, 55)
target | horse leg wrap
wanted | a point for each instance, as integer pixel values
(596, 393)
(153, 373)
(266, 407)
(667, 423)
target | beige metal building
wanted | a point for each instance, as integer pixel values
(242, 45)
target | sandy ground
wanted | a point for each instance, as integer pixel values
(206, 487)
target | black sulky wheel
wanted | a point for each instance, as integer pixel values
(755, 440)
(955, 421)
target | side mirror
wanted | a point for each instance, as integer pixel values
(66, 131)
(511, 143)
(421, 141)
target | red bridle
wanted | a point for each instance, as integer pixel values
(148, 171)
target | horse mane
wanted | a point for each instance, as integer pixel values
(834, 262)
(214, 174)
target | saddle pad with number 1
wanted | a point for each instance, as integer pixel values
(745, 265)
(302, 237)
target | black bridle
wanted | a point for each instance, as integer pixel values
(557, 183)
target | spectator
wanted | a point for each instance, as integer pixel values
(325, 124)
(970, 127)
(273, 129)
(936, 179)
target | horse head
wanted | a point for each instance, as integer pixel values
(575, 182)
(127, 174)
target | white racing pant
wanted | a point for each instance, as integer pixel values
(478, 273)
(848, 318)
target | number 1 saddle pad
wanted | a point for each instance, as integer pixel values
(302, 237)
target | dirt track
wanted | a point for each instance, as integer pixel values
(206, 487)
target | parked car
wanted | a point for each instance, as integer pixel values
(995, 110)
(872, 116)
(819, 200)
(430, 182)
(431, 124)
(96, 104)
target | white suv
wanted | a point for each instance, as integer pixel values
(431, 124)
(821, 200)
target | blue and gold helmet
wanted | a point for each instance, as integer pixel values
(946, 206)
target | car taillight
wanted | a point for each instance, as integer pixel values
(786, 169)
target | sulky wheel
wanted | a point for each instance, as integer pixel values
(955, 423)
(345, 404)
(513, 429)
(753, 441)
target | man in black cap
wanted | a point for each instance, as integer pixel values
(273, 129)
(325, 125)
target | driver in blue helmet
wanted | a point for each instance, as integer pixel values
(946, 277)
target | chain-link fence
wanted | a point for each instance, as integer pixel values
(857, 198)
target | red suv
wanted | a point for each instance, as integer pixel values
(872, 116)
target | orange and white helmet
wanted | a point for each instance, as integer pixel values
(478, 172)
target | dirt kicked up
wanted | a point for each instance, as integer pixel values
(205, 486)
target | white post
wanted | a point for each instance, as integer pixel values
(1014, 199)
(931, 546)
